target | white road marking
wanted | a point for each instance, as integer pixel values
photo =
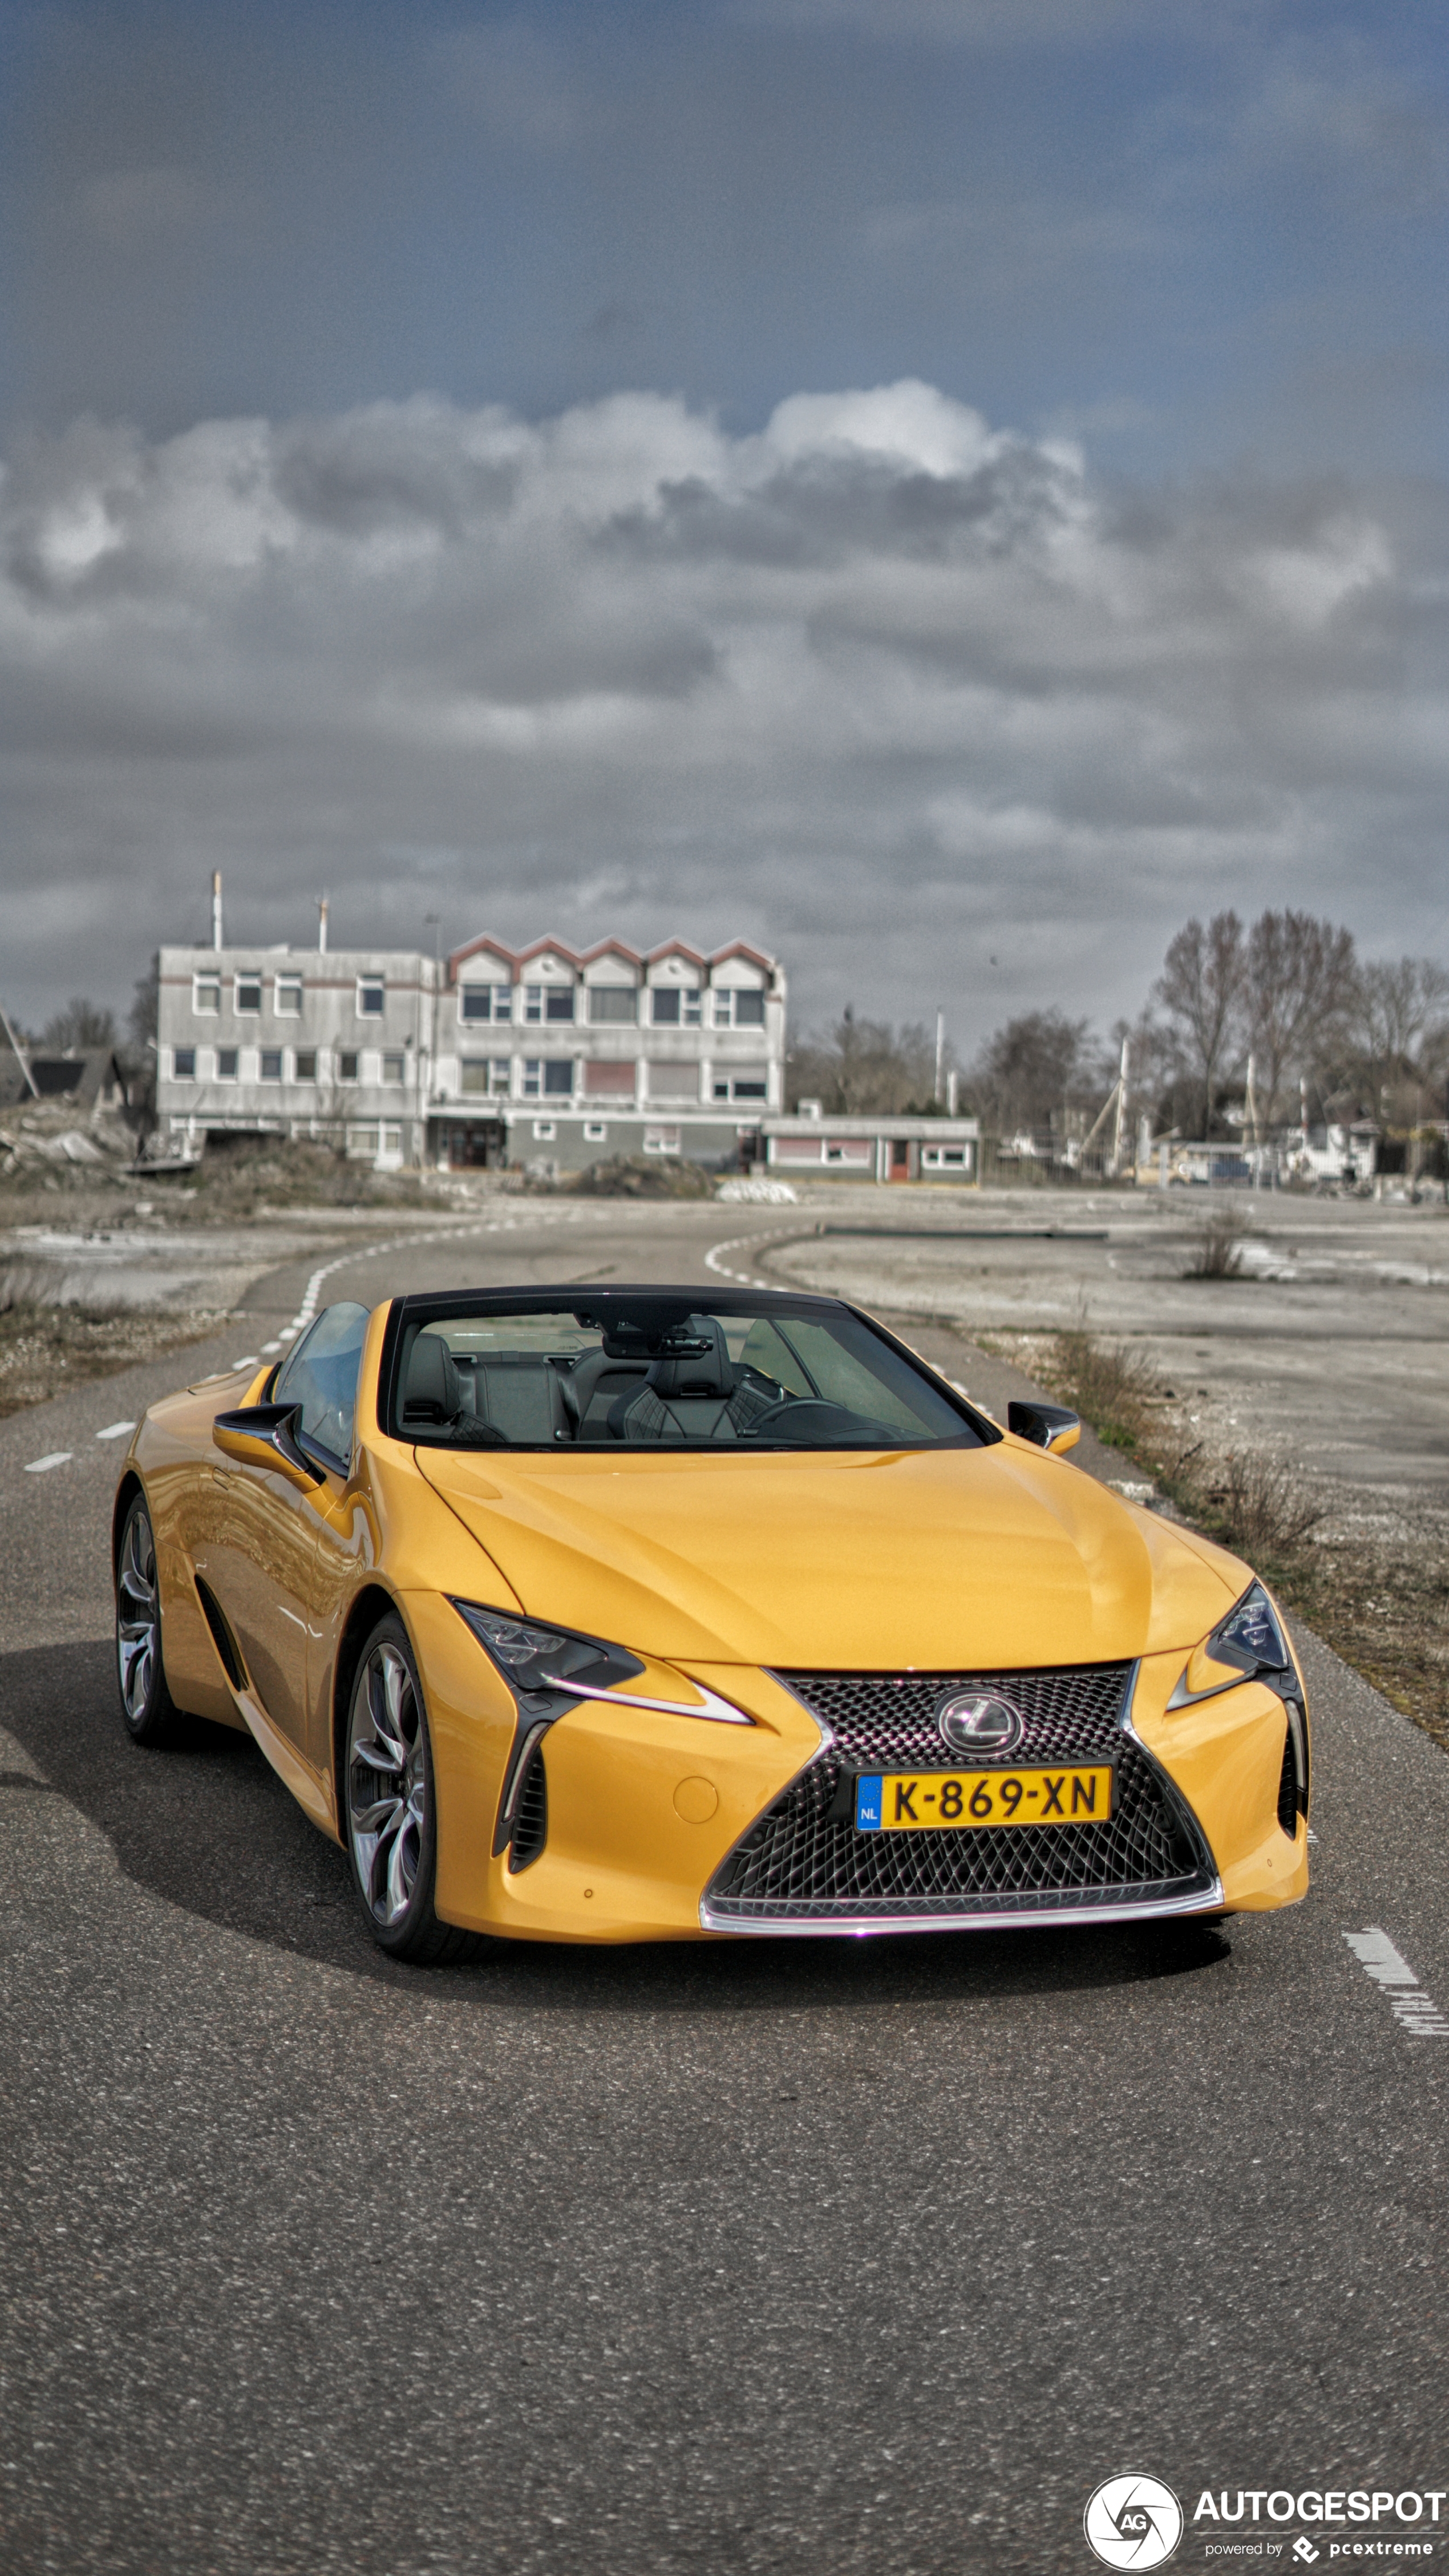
(115, 1430)
(53, 1458)
(270, 1350)
(1416, 2012)
(247, 1360)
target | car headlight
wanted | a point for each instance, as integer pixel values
(536, 1661)
(1250, 1636)
(533, 1658)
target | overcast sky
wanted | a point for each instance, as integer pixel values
(944, 488)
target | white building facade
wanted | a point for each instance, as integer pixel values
(546, 1056)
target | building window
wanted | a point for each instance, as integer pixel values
(362, 1144)
(548, 1002)
(544, 1130)
(206, 993)
(614, 1080)
(394, 1068)
(183, 1064)
(226, 1063)
(612, 1003)
(249, 993)
(661, 1140)
(595, 1132)
(740, 1089)
(289, 997)
(558, 1079)
(672, 1009)
(270, 1068)
(347, 1065)
(946, 1158)
(482, 1076)
(739, 1007)
(306, 1064)
(371, 997)
(485, 1002)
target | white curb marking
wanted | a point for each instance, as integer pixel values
(1413, 2009)
(115, 1430)
(42, 1466)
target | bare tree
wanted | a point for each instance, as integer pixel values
(82, 1024)
(1035, 1065)
(1201, 989)
(862, 1067)
(1301, 979)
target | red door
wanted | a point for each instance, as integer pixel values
(900, 1159)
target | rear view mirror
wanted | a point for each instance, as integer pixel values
(1048, 1426)
(265, 1435)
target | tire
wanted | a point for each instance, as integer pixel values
(389, 1806)
(148, 1712)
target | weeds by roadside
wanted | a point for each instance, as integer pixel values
(1217, 1253)
(1377, 1594)
(46, 1350)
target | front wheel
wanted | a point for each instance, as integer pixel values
(147, 1706)
(391, 1817)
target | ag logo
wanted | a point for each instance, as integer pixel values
(1133, 2522)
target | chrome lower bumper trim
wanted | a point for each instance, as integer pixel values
(787, 1927)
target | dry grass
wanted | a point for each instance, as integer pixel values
(46, 1350)
(1217, 1254)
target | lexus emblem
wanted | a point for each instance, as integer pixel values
(977, 1722)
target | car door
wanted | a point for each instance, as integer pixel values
(272, 1551)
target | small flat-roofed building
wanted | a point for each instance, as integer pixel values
(879, 1148)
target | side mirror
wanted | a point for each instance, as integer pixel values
(265, 1435)
(1049, 1426)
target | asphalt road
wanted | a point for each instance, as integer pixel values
(869, 2256)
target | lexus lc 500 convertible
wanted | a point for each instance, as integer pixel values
(644, 1614)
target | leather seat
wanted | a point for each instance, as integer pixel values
(684, 1396)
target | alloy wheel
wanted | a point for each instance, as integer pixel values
(138, 1616)
(386, 1784)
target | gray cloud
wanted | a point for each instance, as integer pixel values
(882, 686)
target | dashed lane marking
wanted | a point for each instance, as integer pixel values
(1416, 2012)
(248, 1360)
(115, 1430)
(52, 1458)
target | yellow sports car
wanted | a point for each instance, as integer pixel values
(639, 1614)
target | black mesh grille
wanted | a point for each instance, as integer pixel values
(799, 1863)
(530, 1821)
(1288, 1789)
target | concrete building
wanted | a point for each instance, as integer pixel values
(546, 1055)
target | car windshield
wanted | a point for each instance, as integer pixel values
(662, 1371)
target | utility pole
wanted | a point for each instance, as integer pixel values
(216, 939)
(1119, 1127)
(1250, 1112)
(22, 1060)
(940, 1056)
(322, 925)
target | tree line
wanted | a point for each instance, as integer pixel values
(1287, 998)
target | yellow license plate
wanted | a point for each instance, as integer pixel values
(903, 1802)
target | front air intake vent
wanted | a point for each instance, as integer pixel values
(530, 1822)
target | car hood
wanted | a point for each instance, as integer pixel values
(980, 1559)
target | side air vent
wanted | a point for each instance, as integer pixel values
(1293, 1778)
(530, 1821)
(221, 1636)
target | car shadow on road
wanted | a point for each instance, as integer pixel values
(206, 1826)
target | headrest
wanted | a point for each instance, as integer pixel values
(705, 1370)
(432, 1392)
